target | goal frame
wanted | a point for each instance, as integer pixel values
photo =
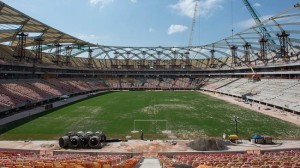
(153, 120)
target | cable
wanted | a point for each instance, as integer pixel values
(199, 39)
(231, 11)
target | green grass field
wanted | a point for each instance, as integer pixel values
(189, 115)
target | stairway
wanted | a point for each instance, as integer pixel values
(150, 163)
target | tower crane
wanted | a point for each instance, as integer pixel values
(263, 30)
(193, 23)
(257, 20)
(187, 60)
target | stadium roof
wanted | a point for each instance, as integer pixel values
(286, 23)
(13, 22)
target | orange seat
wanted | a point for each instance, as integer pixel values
(96, 165)
(118, 166)
(18, 166)
(38, 166)
(69, 166)
(106, 166)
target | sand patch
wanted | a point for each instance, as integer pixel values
(160, 107)
(90, 110)
(174, 100)
(190, 134)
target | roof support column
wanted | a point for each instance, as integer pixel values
(68, 55)
(263, 50)
(247, 47)
(57, 60)
(38, 50)
(212, 63)
(233, 55)
(284, 49)
(20, 48)
(90, 63)
(188, 64)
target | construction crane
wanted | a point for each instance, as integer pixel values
(193, 23)
(263, 30)
(187, 53)
(257, 20)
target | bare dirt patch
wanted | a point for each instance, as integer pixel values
(157, 108)
(207, 144)
(141, 146)
(190, 134)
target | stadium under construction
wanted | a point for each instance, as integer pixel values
(51, 57)
(40, 65)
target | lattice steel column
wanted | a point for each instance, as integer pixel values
(20, 48)
(90, 63)
(263, 50)
(234, 54)
(57, 58)
(212, 63)
(284, 46)
(247, 47)
(68, 55)
(38, 50)
(188, 64)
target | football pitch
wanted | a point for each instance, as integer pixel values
(186, 114)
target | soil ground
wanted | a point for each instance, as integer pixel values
(148, 148)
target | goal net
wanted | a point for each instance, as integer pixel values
(151, 126)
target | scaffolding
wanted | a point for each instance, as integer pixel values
(263, 42)
(57, 60)
(68, 55)
(247, 47)
(233, 49)
(90, 60)
(20, 48)
(284, 45)
(39, 50)
(212, 62)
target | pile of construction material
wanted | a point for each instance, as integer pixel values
(83, 140)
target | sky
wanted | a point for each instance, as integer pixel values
(148, 23)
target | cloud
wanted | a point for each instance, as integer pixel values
(176, 28)
(250, 22)
(257, 5)
(133, 1)
(151, 30)
(100, 3)
(206, 8)
(184, 7)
